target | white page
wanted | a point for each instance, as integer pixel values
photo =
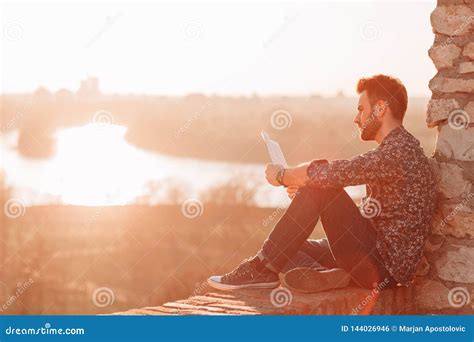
(274, 150)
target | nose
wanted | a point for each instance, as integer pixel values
(357, 119)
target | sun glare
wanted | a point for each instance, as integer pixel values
(96, 165)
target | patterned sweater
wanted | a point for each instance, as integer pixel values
(400, 200)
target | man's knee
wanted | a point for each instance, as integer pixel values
(315, 192)
(304, 191)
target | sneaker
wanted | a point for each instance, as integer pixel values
(312, 280)
(249, 274)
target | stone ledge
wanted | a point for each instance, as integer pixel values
(257, 302)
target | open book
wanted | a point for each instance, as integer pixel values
(274, 150)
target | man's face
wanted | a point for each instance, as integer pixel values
(367, 118)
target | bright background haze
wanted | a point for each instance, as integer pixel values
(224, 48)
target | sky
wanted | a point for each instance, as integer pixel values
(177, 48)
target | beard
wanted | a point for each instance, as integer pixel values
(370, 129)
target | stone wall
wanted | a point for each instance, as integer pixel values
(447, 277)
(280, 301)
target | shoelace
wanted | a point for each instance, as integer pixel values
(241, 270)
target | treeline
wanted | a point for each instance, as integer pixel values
(209, 127)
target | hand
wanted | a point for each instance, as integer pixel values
(271, 172)
(292, 190)
(296, 176)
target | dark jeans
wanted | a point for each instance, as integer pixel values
(350, 242)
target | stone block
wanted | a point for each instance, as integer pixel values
(468, 50)
(440, 84)
(431, 296)
(455, 220)
(443, 55)
(452, 20)
(455, 143)
(434, 243)
(439, 110)
(450, 180)
(456, 264)
(466, 67)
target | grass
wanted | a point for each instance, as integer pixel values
(146, 255)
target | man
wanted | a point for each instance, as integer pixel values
(378, 244)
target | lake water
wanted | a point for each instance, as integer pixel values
(95, 165)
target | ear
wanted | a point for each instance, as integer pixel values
(380, 108)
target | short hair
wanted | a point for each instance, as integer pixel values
(388, 89)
